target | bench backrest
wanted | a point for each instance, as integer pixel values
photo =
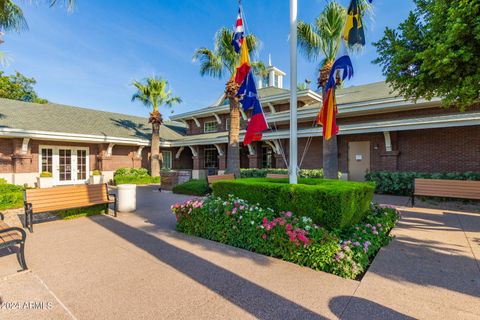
(212, 179)
(277, 175)
(463, 189)
(68, 197)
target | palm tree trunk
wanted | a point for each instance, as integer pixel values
(233, 151)
(155, 151)
(156, 120)
(330, 147)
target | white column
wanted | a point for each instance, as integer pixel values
(293, 92)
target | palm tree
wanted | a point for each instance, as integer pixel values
(12, 18)
(323, 39)
(221, 62)
(153, 92)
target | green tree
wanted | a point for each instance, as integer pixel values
(221, 62)
(321, 40)
(435, 52)
(153, 92)
(18, 87)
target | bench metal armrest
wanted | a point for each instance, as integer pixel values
(17, 229)
(2, 217)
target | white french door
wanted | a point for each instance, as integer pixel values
(69, 165)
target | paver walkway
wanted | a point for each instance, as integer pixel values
(138, 267)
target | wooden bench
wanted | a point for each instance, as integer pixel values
(64, 198)
(461, 189)
(212, 179)
(12, 237)
(277, 175)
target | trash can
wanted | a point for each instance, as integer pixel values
(127, 198)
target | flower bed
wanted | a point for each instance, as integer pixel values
(284, 235)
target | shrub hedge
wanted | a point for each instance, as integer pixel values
(11, 196)
(286, 235)
(133, 176)
(401, 183)
(192, 187)
(261, 173)
(330, 203)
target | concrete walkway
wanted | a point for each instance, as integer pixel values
(137, 267)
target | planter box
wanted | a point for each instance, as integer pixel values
(43, 183)
(95, 180)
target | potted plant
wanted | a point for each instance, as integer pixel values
(45, 180)
(96, 177)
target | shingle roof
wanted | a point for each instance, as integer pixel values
(68, 119)
(365, 92)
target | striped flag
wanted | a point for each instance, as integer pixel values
(250, 100)
(244, 67)
(239, 34)
(327, 116)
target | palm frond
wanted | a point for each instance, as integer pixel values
(309, 40)
(152, 92)
(11, 17)
(210, 63)
(70, 4)
(259, 69)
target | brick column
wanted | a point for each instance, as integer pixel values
(22, 162)
(196, 162)
(253, 161)
(222, 162)
(279, 162)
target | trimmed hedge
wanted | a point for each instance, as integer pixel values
(134, 176)
(11, 196)
(261, 173)
(330, 203)
(192, 187)
(136, 180)
(401, 183)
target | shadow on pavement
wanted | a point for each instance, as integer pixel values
(154, 209)
(359, 308)
(431, 263)
(254, 299)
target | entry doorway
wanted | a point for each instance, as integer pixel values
(68, 165)
(358, 160)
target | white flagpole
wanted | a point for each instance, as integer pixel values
(293, 93)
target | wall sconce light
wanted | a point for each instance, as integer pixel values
(376, 147)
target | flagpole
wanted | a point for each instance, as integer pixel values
(293, 155)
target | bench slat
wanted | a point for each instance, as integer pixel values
(67, 197)
(81, 197)
(464, 189)
(64, 206)
(212, 179)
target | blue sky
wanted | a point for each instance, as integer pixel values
(90, 57)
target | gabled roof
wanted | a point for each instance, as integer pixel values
(52, 117)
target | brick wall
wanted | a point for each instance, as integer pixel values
(440, 150)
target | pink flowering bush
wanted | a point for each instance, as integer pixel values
(287, 236)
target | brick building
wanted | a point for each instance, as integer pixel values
(379, 130)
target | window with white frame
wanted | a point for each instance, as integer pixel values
(227, 124)
(167, 160)
(210, 126)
